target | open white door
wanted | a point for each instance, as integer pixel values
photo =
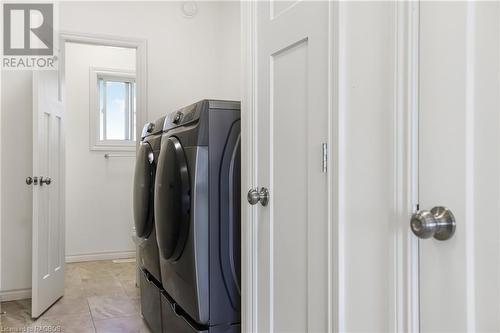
(459, 155)
(289, 134)
(48, 193)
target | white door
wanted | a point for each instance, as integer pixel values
(459, 164)
(291, 113)
(48, 193)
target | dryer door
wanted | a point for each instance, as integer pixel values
(143, 190)
(172, 200)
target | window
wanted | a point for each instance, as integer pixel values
(113, 110)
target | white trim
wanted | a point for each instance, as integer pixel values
(248, 168)
(1, 176)
(95, 144)
(470, 160)
(106, 40)
(498, 78)
(15, 295)
(100, 256)
(413, 102)
(113, 74)
(336, 114)
(406, 108)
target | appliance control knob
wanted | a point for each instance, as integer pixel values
(177, 118)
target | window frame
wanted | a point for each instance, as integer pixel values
(107, 74)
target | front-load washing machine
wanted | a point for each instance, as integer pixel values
(197, 212)
(143, 203)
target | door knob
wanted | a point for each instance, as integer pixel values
(32, 180)
(438, 223)
(45, 180)
(255, 195)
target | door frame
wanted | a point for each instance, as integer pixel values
(141, 71)
(405, 312)
(1, 214)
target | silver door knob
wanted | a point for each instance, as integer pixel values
(438, 223)
(254, 196)
(32, 180)
(45, 180)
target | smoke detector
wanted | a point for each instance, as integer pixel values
(189, 9)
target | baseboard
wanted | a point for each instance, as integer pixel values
(15, 295)
(100, 256)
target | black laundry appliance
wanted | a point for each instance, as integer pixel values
(197, 213)
(143, 203)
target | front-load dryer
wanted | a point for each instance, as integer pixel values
(197, 212)
(143, 207)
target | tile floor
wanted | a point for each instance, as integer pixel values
(99, 297)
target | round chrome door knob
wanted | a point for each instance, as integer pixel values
(45, 180)
(438, 223)
(32, 180)
(254, 196)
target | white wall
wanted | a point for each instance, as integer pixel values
(188, 58)
(98, 191)
(17, 142)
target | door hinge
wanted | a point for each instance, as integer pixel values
(324, 163)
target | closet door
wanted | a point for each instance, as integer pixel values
(459, 155)
(290, 193)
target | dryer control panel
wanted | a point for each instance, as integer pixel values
(183, 116)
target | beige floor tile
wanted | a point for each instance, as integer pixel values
(74, 292)
(123, 274)
(75, 323)
(95, 269)
(97, 294)
(95, 273)
(73, 282)
(67, 306)
(131, 290)
(133, 324)
(103, 307)
(103, 287)
(15, 314)
(9, 323)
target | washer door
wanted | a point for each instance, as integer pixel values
(143, 190)
(172, 200)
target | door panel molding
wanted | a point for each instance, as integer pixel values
(406, 159)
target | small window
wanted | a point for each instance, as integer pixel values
(114, 110)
